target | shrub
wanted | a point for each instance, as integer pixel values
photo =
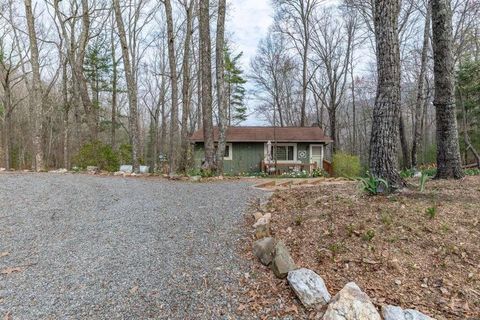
(97, 154)
(318, 172)
(346, 165)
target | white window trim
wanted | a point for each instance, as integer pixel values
(321, 154)
(230, 152)
(294, 145)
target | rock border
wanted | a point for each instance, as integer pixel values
(350, 303)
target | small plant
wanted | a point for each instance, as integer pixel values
(373, 185)
(423, 179)
(369, 235)
(318, 172)
(298, 220)
(336, 248)
(386, 219)
(350, 229)
(431, 212)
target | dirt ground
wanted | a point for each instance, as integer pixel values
(414, 249)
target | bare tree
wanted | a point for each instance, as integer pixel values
(35, 96)
(295, 19)
(221, 96)
(448, 152)
(186, 84)
(131, 87)
(417, 133)
(206, 82)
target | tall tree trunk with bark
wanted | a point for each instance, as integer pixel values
(35, 95)
(404, 142)
(417, 133)
(383, 150)
(221, 96)
(131, 87)
(174, 84)
(113, 138)
(206, 81)
(186, 83)
(448, 152)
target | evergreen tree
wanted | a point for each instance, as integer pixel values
(237, 111)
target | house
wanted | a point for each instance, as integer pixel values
(271, 149)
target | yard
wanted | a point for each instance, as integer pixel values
(414, 249)
(76, 246)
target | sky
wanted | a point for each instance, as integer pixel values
(250, 21)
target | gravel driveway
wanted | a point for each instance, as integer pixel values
(91, 247)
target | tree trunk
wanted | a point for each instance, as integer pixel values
(174, 82)
(221, 96)
(206, 80)
(35, 95)
(333, 128)
(113, 140)
(417, 133)
(131, 88)
(185, 90)
(383, 142)
(448, 151)
(404, 143)
(66, 109)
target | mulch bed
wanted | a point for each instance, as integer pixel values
(414, 249)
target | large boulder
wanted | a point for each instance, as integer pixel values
(390, 312)
(309, 288)
(263, 249)
(282, 262)
(351, 303)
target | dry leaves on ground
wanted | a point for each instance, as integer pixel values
(416, 250)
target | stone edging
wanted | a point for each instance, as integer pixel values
(350, 303)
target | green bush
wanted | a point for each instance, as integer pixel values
(97, 154)
(346, 165)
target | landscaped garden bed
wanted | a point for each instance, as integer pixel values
(413, 249)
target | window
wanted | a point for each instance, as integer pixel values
(284, 152)
(228, 152)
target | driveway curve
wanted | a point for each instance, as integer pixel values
(85, 247)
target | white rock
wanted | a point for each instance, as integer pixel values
(309, 287)
(396, 313)
(264, 220)
(351, 303)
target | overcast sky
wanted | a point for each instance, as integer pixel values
(248, 21)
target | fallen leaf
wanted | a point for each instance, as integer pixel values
(11, 270)
(293, 308)
(7, 316)
(4, 254)
(134, 290)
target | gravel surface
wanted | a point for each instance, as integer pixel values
(91, 247)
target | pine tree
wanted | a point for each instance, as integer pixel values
(235, 88)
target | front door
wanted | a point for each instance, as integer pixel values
(316, 155)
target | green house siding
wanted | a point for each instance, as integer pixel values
(247, 156)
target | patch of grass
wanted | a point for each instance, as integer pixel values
(386, 218)
(431, 212)
(336, 248)
(369, 235)
(298, 220)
